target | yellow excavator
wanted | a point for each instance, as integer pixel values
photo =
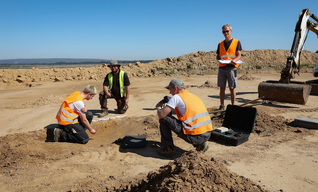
(285, 90)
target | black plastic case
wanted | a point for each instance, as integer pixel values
(240, 122)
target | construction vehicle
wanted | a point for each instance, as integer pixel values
(285, 90)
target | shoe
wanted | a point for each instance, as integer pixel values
(167, 152)
(103, 114)
(57, 133)
(203, 147)
(221, 108)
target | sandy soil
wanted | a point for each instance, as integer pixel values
(284, 161)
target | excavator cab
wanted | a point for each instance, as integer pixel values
(285, 90)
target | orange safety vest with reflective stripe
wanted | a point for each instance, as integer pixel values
(230, 53)
(196, 119)
(65, 115)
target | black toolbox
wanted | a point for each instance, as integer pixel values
(237, 125)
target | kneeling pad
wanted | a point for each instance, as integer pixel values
(136, 141)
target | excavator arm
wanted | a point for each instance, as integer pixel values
(285, 90)
(303, 26)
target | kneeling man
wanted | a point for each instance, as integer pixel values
(73, 117)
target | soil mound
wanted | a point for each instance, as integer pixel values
(246, 77)
(207, 84)
(265, 122)
(193, 171)
(200, 63)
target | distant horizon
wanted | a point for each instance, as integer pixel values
(61, 61)
(77, 58)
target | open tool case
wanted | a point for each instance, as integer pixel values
(237, 126)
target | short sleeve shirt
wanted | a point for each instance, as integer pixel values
(176, 102)
(116, 87)
(77, 106)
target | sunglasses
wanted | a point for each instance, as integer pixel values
(225, 31)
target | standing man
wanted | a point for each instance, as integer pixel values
(116, 85)
(73, 117)
(228, 49)
(193, 124)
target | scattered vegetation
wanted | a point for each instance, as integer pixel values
(190, 66)
(307, 65)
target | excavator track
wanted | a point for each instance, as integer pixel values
(294, 92)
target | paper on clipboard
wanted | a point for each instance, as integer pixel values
(229, 61)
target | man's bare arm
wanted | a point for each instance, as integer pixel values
(86, 122)
(162, 112)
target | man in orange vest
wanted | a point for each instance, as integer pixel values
(115, 85)
(73, 117)
(193, 123)
(228, 49)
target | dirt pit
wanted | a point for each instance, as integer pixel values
(102, 165)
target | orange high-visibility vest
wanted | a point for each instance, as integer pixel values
(196, 119)
(66, 115)
(229, 54)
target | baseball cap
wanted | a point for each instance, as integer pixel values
(175, 83)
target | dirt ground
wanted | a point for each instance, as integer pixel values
(277, 157)
(284, 161)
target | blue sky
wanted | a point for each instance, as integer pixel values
(144, 29)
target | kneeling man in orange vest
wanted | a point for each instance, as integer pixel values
(73, 117)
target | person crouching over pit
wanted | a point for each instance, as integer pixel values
(193, 125)
(73, 117)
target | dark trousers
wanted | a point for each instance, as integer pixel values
(169, 124)
(119, 100)
(76, 133)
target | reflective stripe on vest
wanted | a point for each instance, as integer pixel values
(196, 119)
(230, 53)
(121, 83)
(66, 115)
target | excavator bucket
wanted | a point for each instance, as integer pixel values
(314, 86)
(294, 92)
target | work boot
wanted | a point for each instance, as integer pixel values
(167, 152)
(57, 133)
(203, 147)
(103, 114)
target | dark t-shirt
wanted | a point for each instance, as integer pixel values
(116, 88)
